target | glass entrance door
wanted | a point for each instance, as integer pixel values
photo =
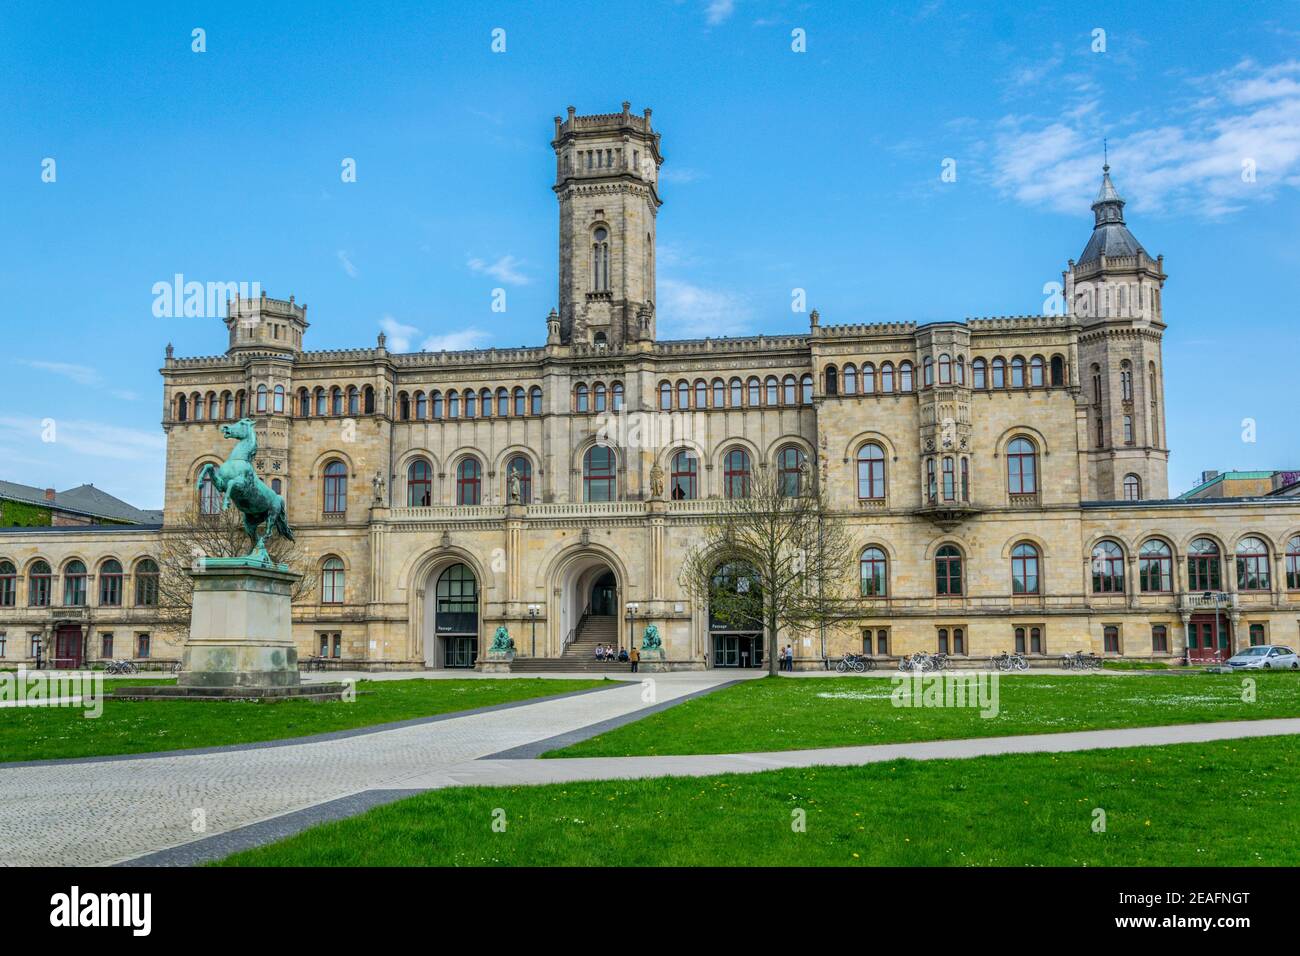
(460, 650)
(737, 650)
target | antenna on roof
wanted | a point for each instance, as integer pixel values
(1105, 156)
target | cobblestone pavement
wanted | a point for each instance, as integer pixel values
(99, 812)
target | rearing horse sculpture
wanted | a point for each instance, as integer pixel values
(237, 481)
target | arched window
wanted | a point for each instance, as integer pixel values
(961, 370)
(453, 404)
(735, 473)
(850, 380)
(110, 583)
(331, 581)
(737, 393)
(503, 402)
(616, 396)
(1022, 467)
(1203, 571)
(435, 405)
(1132, 488)
(403, 407)
(336, 401)
(979, 373)
(1058, 370)
(74, 584)
(1036, 371)
(683, 483)
(1107, 568)
(945, 369)
(239, 403)
(304, 403)
(1293, 564)
(485, 403)
(8, 584)
(683, 394)
(719, 393)
(521, 402)
(368, 400)
(806, 389)
(789, 473)
(1252, 565)
(601, 341)
(471, 403)
(600, 259)
(831, 380)
(886, 378)
(873, 573)
(580, 400)
(354, 400)
(321, 407)
(1018, 372)
(701, 393)
(773, 390)
(965, 479)
(146, 583)
(665, 396)
(469, 482)
(182, 408)
(336, 487)
(949, 479)
(276, 485)
(535, 397)
(1024, 569)
(868, 379)
(1155, 567)
(905, 377)
(755, 396)
(421, 406)
(947, 571)
(523, 469)
(871, 472)
(419, 484)
(209, 498)
(1126, 380)
(38, 584)
(998, 373)
(927, 371)
(599, 477)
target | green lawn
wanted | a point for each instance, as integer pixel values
(1230, 803)
(126, 727)
(776, 713)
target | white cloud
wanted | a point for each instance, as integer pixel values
(470, 338)
(505, 269)
(80, 374)
(693, 311)
(680, 174)
(94, 439)
(1247, 116)
(346, 263)
(399, 336)
(716, 11)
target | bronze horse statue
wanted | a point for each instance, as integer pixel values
(237, 481)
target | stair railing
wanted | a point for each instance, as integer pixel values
(573, 631)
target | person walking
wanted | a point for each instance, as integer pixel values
(635, 658)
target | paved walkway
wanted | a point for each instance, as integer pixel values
(186, 808)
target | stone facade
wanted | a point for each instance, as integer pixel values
(1030, 448)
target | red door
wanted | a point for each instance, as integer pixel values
(1201, 642)
(67, 646)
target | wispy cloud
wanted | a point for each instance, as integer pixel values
(718, 11)
(399, 336)
(1235, 143)
(95, 439)
(505, 269)
(83, 375)
(470, 338)
(688, 310)
(346, 262)
(680, 175)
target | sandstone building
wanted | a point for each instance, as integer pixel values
(1004, 478)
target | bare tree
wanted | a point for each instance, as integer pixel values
(192, 536)
(773, 557)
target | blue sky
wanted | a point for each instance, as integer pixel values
(817, 170)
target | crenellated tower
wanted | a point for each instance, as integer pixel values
(1114, 291)
(606, 180)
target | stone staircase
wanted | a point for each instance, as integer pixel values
(579, 656)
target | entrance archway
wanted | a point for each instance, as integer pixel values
(591, 601)
(451, 617)
(736, 629)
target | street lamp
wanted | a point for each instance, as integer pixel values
(632, 608)
(533, 611)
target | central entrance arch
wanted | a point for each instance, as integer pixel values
(451, 617)
(589, 585)
(736, 616)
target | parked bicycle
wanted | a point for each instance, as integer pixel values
(1007, 661)
(857, 663)
(921, 661)
(1079, 661)
(122, 667)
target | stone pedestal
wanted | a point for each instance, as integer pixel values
(495, 662)
(653, 661)
(241, 632)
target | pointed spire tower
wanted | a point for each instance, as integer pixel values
(1114, 292)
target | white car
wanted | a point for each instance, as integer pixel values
(1265, 657)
